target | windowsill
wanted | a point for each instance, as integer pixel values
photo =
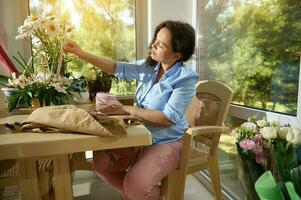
(245, 112)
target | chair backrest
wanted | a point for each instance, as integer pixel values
(209, 107)
(210, 104)
(205, 116)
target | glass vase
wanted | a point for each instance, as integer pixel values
(35, 103)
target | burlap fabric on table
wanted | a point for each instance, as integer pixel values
(68, 118)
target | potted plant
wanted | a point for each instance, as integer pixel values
(45, 80)
(78, 90)
(99, 81)
(6, 89)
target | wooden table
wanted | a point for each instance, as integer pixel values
(28, 147)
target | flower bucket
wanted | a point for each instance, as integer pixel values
(248, 172)
(285, 159)
(81, 97)
(9, 92)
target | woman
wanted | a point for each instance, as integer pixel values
(165, 88)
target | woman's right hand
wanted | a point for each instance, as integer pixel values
(72, 47)
(104, 64)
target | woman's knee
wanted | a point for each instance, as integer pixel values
(101, 162)
(135, 187)
(112, 161)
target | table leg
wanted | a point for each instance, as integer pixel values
(62, 179)
(29, 185)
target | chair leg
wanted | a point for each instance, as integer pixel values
(45, 185)
(173, 186)
(215, 177)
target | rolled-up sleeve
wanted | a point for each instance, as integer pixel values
(129, 70)
(180, 98)
(119, 71)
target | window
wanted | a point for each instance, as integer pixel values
(254, 47)
(105, 28)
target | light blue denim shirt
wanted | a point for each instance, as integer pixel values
(171, 94)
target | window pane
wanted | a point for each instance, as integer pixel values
(102, 27)
(254, 46)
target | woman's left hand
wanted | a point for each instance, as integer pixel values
(114, 110)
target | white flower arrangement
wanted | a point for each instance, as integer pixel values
(59, 83)
(253, 137)
(48, 35)
(45, 78)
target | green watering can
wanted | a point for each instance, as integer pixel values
(291, 191)
(266, 187)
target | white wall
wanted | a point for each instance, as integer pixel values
(160, 10)
(150, 13)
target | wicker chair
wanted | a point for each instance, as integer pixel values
(10, 173)
(205, 115)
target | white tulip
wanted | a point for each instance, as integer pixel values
(294, 136)
(282, 132)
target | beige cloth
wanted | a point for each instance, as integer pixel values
(68, 118)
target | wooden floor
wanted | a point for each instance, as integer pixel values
(87, 186)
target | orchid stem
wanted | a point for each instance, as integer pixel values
(58, 70)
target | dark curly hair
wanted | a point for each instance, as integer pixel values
(182, 41)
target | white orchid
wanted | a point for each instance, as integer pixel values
(60, 83)
(59, 87)
(14, 82)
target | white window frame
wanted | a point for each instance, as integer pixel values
(141, 25)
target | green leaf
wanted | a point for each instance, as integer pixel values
(30, 64)
(13, 101)
(4, 80)
(20, 63)
(23, 60)
(27, 98)
(47, 99)
(288, 145)
(24, 64)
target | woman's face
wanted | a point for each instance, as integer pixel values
(161, 49)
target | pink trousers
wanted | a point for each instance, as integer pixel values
(139, 180)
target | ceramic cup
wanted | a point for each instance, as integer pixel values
(104, 99)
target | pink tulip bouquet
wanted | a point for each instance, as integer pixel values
(269, 146)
